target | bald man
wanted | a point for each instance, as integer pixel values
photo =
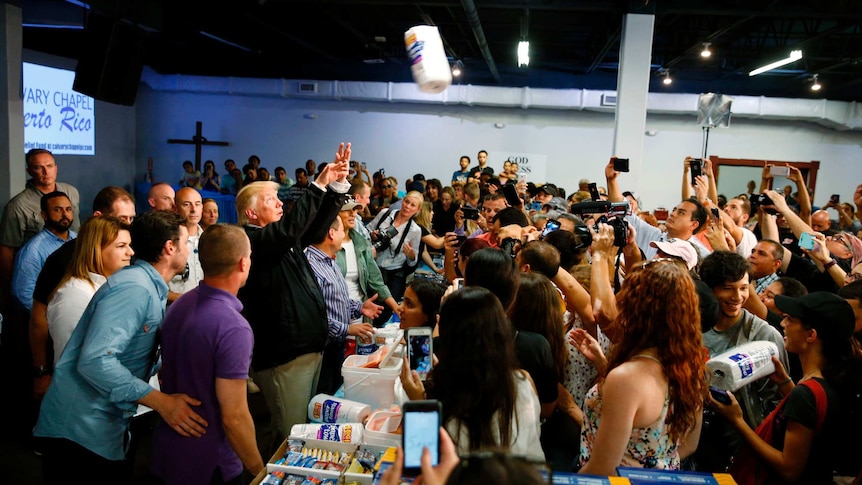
(161, 197)
(188, 204)
(820, 221)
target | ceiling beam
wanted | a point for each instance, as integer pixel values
(476, 24)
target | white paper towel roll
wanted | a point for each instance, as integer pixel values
(739, 366)
(427, 58)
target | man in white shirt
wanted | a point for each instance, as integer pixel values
(736, 215)
(189, 205)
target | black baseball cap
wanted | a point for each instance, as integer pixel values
(828, 313)
(549, 189)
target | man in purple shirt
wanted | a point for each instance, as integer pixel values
(206, 352)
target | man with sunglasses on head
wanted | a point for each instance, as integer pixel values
(824, 265)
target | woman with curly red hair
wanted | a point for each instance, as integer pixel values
(646, 409)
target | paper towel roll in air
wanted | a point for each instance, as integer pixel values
(428, 58)
(739, 366)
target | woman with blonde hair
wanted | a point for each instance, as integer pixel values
(102, 248)
(646, 409)
(396, 238)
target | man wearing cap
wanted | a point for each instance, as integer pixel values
(633, 200)
(546, 192)
(341, 309)
(557, 204)
(726, 273)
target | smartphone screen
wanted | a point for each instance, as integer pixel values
(715, 213)
(419, 350)
(719, 395)
(550, 226)
(779, 171)
(421, 428)
(594, 191)
(536, 206)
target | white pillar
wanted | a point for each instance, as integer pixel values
(12, 173)
(633, 79)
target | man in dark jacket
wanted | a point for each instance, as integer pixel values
(281, 299)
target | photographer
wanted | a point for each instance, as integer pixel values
(686, 219)
(396, 238)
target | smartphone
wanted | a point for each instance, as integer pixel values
(461, 239)
(779, 171)
(719, 395)
(594, 191)
(470, 213)
(696, 165)
(806, 241)
(420, 346)
(421, 429)
(715, 213)
(620, 165)
(550, 226)
(458, 283)
(383, 172)
(511, 195)
(536, 206)
(835, 199)
(364, 166)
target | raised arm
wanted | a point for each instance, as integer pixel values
(614, 193)
(802, 199)
(601, 291)
(686, 185)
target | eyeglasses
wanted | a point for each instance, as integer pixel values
(387, 186)
(840, 238)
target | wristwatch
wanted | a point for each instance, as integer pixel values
(41, 371)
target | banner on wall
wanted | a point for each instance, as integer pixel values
(530, 165)
(57, 118)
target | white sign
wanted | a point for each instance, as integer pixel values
(57, 118)
(530, 165)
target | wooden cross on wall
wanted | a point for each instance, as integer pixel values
(198, 141)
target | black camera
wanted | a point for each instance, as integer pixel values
(382, 240)
(613, 213)
(758, 200)
(620, 226)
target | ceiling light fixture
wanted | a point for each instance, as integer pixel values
(458, 68)
(794, 56)
(815, 84)
(706, 52)
(524, 44)
(523, 53)
(667, 80)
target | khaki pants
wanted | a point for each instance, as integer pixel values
(287, 390)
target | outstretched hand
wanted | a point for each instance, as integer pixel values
(338, 169)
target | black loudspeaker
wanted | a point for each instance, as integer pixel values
(111, 60)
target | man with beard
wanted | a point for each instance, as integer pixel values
(726, 273)
(58, 215)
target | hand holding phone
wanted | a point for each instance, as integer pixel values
(511, 194)
(696, 165)
(620, 165)
(420, 347)
(594, 191)
(778, 171)
(720, 395)
(470, 213)
(421, 425)
(806, 241)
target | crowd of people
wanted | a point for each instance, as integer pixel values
(571, 331)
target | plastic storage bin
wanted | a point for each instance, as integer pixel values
(375, 387)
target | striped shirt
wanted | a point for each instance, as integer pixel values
(340, 309)
(761, 284)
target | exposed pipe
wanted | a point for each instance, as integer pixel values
(473, 16)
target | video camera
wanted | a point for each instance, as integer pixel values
(612, 213)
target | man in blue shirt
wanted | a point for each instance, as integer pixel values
(102, 375)
(340, 308)
(58, 216)
(463, 174)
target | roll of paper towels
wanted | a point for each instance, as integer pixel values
(428, 59)
(739, 366)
